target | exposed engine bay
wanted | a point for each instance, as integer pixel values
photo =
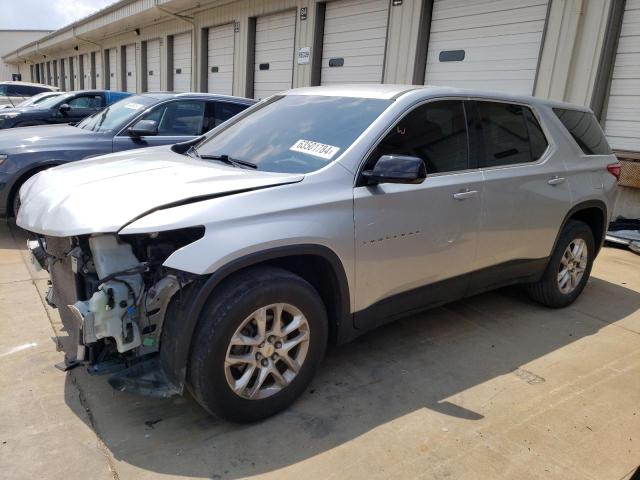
(114, 292)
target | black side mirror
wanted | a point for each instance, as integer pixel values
(144, 128)
(64, 108)
(397, 169)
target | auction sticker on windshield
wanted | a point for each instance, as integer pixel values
(134, 106)
(315, 148)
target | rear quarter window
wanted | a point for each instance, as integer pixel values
(585, 130)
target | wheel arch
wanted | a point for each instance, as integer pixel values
(317, 264)
(594, 214)
(22, 177)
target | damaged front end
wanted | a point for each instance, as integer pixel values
(113, 295)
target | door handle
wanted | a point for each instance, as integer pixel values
(556, 180)
(465, 194)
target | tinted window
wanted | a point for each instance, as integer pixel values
(435, 132)
(86, 101)
(510, 134)
(219, 112)
(183, 118)
(585, 130)
(26, 90)
(295, 133)
(116, 115)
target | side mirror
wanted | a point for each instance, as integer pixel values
(64, 108)
(397, 169)
(144, 128)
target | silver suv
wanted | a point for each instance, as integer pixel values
(228, 263)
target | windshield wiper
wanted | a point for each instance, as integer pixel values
(227, 159)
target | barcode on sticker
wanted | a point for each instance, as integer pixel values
(315, 148)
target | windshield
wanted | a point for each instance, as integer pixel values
(49, 101)
(114, 116)
(296, 133)
(3, 90)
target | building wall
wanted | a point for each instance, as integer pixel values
(9, 41)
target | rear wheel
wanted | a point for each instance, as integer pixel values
(569, 267)
(15, 204)
(258, 344)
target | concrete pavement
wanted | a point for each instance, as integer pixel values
(491, 387)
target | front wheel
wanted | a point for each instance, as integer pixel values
(569, 267)
(258, 344)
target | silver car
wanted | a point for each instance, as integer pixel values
(227, 264)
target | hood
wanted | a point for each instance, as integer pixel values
(103, 194)
(44, 137)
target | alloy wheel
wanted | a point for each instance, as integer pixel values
(572, 265)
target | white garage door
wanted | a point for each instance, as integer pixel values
(98, 69)
(275, 36)
(153, 66)
(622, 121)
(76, 74)
(86, 69)
(221, 44)
(353, 44)
(113, 69)
(182, 62)
(130, 62)
(492, 45)
(62, 71)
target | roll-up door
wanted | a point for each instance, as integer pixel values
(77, 85)
(491, 45)
(62, 71)
(113, 69)
(275, 35)
(182, 62)
(56, 75)
(97, 60)
(153, 66)
(221, 43)
(353, 44)
(87, 72)
(622, 121)
(130, 62)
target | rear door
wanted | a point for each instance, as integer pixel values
(177, 121)
(409, 236)
(525, 191)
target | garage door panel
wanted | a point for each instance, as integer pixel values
(355, 32)
(182, 62)
(502, 36)
(154, 67)
(275, 35)
(130, 73)
(221, 45)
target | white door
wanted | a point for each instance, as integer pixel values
(130, 62)
(98, 69)
(353, 45)
(64, 74)
(76, 73)
(622, 120)
(221, 43)
(182, 62)
(87, 73)
(153, 66)
(275, 35)
(491, 45)
(113, 69)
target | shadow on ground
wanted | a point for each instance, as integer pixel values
(412, 364)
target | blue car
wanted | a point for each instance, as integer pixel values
(139, 121)
(65, 108)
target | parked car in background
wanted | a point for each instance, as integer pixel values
(313, 217)
(39, 97)
(135, 122)
(12, 93)
(65, 108)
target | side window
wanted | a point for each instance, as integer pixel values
(435, 132)
(181, 118)
(504, 134)
(86, 101)
(585, 130)
(536, 137)
(219, 112)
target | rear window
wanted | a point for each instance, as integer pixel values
(510, 134)
(585, 130)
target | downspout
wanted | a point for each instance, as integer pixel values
(194, 46)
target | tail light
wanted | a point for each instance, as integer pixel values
(615, 169)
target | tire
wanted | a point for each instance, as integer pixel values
(210, 376)
(15, 203)
(555, 290)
